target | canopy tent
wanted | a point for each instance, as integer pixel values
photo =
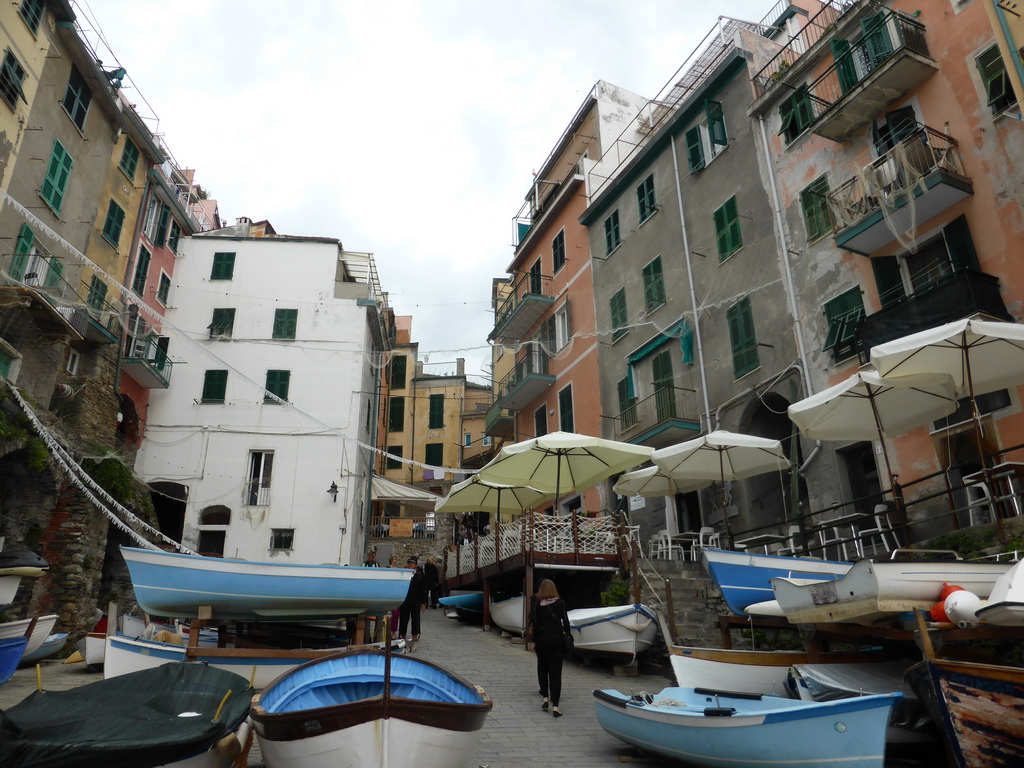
(392, 490)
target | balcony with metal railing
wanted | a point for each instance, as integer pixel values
(921, 176)
(665, 418)
(519, 312)
(526, 381)
(146, 361)
(499, 422)
(955, 296)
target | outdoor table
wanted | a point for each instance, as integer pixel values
(761, 540)
(836, 524)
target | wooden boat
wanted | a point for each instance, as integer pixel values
(22, 562)
(175, 585)
(474, 600)
(873, 590)
(745, 671)
(259, 666)
(509, 614)
(617, 633)
(93, 649)
(704, 727)
(51, 646)
(744, 577)
(980, 708)
(11, 651)
(42, 629)
(181, 715)
(366, 708)
(136, 626)
(1005, 606)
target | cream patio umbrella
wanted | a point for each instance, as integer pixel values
(719, 456)
(866, 406)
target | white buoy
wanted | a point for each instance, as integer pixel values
(962, 607)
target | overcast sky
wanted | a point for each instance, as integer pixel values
(407, 129)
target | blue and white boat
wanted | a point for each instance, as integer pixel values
(11, 650)
(715, 729)
(175, 585)
(51, 646)
(617, 633)
(368, 708)
(744, 577)
(471, 600)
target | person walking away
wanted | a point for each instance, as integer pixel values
(549, 624)
(414, 604)
(432, 581)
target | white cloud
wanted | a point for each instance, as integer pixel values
(409, 129)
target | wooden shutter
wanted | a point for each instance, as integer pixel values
(888, 280)
(21, 252)
(716, 123)
(960, 245)
(694, 149)
(845, 67)
(876, 38)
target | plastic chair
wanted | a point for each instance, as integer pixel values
(882, 530)
(979, 504)
(706, 537)
(655, 546)
(792, 546)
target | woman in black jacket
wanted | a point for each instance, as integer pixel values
(550, 624)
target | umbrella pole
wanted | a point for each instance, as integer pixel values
(725, 505)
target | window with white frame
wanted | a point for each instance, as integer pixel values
(706, 140)
(257, 487)
(562, 329)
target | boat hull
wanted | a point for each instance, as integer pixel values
(980, 708)
(617, 633)
(744, 577)
(169, 584)
(1006, 602)
(875, 590)
(333, 713)
(51, 646)
(41, 631)
(508, 615)
(697, 728)
(11, 651)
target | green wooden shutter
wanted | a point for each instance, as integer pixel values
(215, 384)
(398, 371)
(787, 118)
(396, 414)
(277, 384)
(654, 285)
(804, 109)
(845, 67)
(694, 149)
(284, 323)
(727, 228)
(960, 245)
(21, 252)
(141, 271)
(618, 311)
(436, 415)
(54, 273)
(995, 78)
(56, 180)
(888, 280)
(716, 123)
(566, 422)
(876, 38)
(161, 229)
(842, 314)
(743, 338)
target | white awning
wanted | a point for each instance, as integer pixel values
(392, 490)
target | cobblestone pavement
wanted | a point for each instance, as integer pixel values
(517, 732)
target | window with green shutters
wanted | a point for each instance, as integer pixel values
(612, 236)
(619, 316)
(646, 204)
(277, 384)
(877, 43)
(846, 68)
(398, 371)
(843, 314)
(32, 12)
(215, 386)
(888, 280)
(285, 321)
(558, 251)
(743, 338)
(141, 271)
(654, 285)
(56, 181)
(814, 204)
(436, 416)
(396, 414)
(163, 289)
(223, 322)
(727, 228)
(716, 123)
(161, 228)
(664, 385)
(12, 75)
(566, 423)
(627, 404)
(5, 364)
(54, 272)
(394, 463)
(97, 296)
(996, 81)
(796, 113)
(22, 249)
(695, 149)
(223, 266)
(113, 223)
(129, 159)
(433, 453)
(173, 236)
(77, 98)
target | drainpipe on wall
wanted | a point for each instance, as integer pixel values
(693, 294)
(788, 272)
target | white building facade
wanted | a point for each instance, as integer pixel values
(276, 344)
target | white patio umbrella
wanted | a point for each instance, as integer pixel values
(477, 495)
(649, 482)
(981, 356)
(560, 461)
(719, 456)
(867, 406)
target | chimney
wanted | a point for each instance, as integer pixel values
(460, 366)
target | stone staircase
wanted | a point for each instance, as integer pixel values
(696, 601)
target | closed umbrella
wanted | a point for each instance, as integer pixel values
(866, 406)
(719, 456)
